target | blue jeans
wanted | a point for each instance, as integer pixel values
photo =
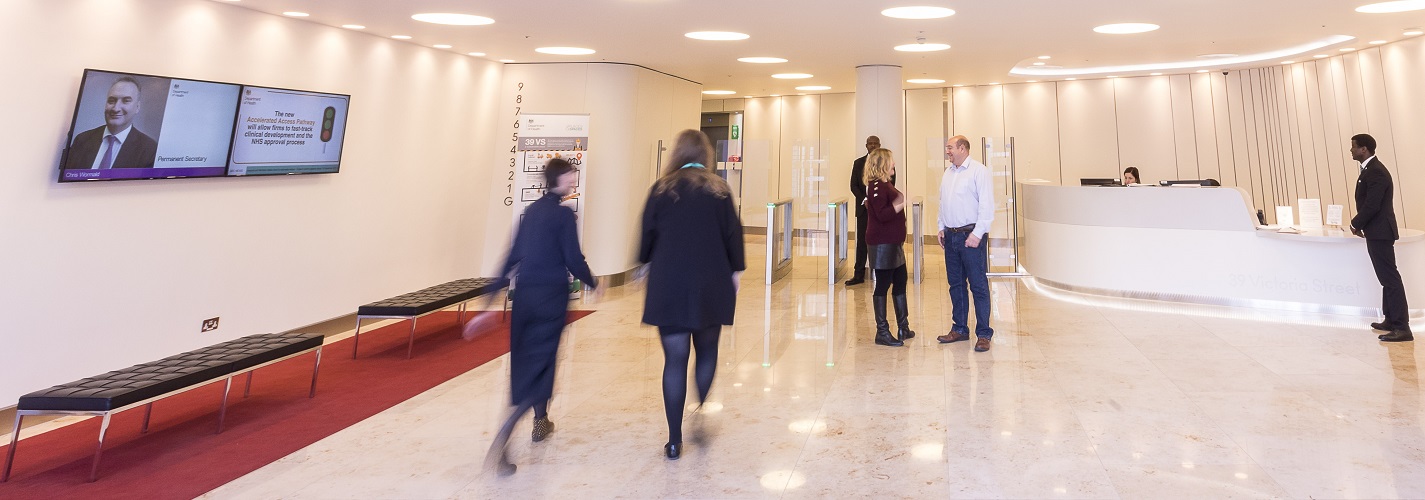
(967, 266)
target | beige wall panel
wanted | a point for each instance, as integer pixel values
(1222, 123)
(1288, 144)
(1031, 117)
(1243, 136)
(838, 130)
(1404, 65)
(979, 112)
(924, 137)
(1204, 123)
(761, 132)
(1342, 123)
(1144, 108)
(1308, 120)
(1088, 130)
(1326, 132)
(1184, 128)
(712, 106)
(803, 159)
(1378, 112)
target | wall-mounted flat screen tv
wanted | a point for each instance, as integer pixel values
(282, 132)
(132, 126)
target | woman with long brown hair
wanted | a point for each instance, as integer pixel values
(885, 237)
(692, 243)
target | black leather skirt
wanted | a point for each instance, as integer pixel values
(886, 256)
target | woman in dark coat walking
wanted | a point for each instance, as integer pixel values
(546, 251)
(885, 238)
(692, 243)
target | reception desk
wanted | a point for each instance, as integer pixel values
(1201, 245)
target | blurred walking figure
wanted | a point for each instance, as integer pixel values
(692, 243)
(544, 254)
(885, 239)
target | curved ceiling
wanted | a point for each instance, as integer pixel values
(829, 38)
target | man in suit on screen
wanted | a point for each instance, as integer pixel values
(1375, 221)
(116, 144)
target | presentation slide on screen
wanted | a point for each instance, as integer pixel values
(287, 132)
(165, 128)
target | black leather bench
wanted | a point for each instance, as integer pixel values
(422, 302)
(116, 391)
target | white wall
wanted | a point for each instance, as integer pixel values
(105, 275)
(630, 109)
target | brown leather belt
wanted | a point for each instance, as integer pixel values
(962, 229)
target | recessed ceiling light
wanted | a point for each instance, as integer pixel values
(918, 12)
(1125, 28)
(1071, 79)
(1033, 81)
(565, 51)
(775, 95)
(295, 14)
(507, 60)
(1347, 49)
(1288, 62)
(994, 83)
(476, 54)
(719, 92)
(453, 19)
(1320, 56)
(761, 60)
(814, 87)
(924, 80)
(1113, 76)
(958, 85)
(1389, 7)
(401, 37)
(1202, 71)
(922, 47)
(716, 35)
(791, 76)
(1044, 57)
(1039, 64)
(1377, 42)
(1155, 74)
(1188, 65)
(440, 46)
(1413, 32)
(353, 26)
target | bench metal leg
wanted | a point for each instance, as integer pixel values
(248, 389)
(147, 412)
(411, 344)
(14, 441)
(99, 451)
(223, 410)
(356, 338)
(460, 318)
(316, 367)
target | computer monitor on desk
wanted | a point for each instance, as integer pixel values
(1191, 182)
(1086, 181)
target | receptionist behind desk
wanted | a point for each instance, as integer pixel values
(1131, 177)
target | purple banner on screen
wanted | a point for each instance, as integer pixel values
(143, 173)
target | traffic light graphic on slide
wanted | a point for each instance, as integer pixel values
(328, 122)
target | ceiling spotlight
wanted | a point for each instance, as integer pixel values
(565, 51)
(507, 60)
(453, 19)
(761, 60)
(441, 46)
(1125, 28)
(719, 92)
(1113, 76)
(716, 35)
(1032, 81)
(1347, 49)
(958, 85)
(814, 87)
(791, 76)
(924, 80)
(1413, 32)
(1320, 56)
(1202, 71)
(994, 83)
(476, 54)
(922, 47)
(1288, 62)
(1155, 74)
(1377, 42)
(1071, 79)
(1044, 57)
(918, 12)
(353, 26)
(1391, 7)
(295, 14)
(1039, 64)
(401, 37)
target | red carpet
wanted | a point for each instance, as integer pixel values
(181, 457)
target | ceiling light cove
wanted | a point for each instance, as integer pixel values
(762, 60)
(924, 80)
(1391, 7)
(565, 51)
(719, 92)
(922, 47)
(1201, 62)
(401, 37)
(476, 54)
(441, 46)
(1377, 42)
(791, 76)
(353, 26)
(717, 35)
(1125, 28)
(918, 12)
(1216, 56)
(453, 19)
(1414, 32)
(295, 14)
(814, 87)
(1042, 58)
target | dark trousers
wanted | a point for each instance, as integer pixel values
(966, 266)
(1393, 305)
(860, 245)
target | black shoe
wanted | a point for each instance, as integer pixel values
(883, 328)
(902, 318)
(1382, 326)
(504, 468)
(1397, 336)
(855, 280)
(674, 450)
(542, 428)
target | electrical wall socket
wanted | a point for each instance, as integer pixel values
(210, 324)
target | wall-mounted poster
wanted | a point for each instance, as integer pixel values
(542, 138)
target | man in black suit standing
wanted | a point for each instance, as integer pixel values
(858, 190)
(1375, 221)
(116, 144)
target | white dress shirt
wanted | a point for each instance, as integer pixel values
(966, 197)
(1368, 160)
(122, 136)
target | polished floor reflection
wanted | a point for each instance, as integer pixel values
(1076, 399)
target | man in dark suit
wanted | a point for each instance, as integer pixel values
(116, 144)
(858, 190)
(1375, 221)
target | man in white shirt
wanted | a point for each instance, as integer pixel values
(967, 207)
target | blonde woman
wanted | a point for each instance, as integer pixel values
(885, 236)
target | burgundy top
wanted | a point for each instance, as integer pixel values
(885, 224)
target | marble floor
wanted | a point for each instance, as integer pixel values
(1078, 398)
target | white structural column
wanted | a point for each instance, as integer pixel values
(880, 109)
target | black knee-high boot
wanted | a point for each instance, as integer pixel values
(902, 318)
(883, 328)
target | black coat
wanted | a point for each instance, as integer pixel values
(1375, 208)
(692, 243)
(546, 247)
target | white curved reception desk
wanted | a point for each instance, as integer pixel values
(1201, 245)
